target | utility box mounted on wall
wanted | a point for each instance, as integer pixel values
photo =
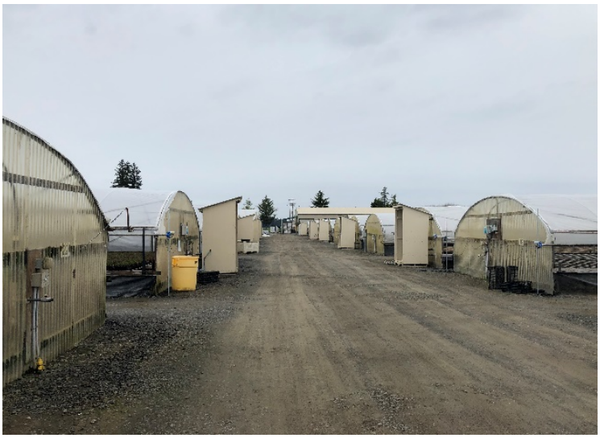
(493, 228)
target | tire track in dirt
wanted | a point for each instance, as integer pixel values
(453, 329)
(308, 339)
(283, 379)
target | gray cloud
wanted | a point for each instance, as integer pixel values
(448, 18)
(222, 101)
(345, 25)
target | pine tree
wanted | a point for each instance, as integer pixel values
(127, 175)
(267, 211)
(384, 200)
(384, 197)
(247, 205)
(135, 177)
(377, 202)
(320, 201)
(121, 174)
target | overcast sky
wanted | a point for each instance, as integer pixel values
(438, 103)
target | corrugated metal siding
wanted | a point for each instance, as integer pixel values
(535, 264)
(469, 258)
(14, 316)
(48, 210)
(78, 286)
(520, 227)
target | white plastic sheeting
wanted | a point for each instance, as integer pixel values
(146, 210)
(447, 218)
(564, 213)
(572, 219)
(245, 213)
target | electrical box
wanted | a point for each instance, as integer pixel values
(494, 228)
(40, 279)
(183, 229)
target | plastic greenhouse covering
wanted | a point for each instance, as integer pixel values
(388, 226)
(146, 210)
(245, 213)
(447, 218)
(573, 219)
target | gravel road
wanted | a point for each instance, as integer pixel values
(309, 339)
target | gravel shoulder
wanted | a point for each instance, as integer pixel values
(309, 339)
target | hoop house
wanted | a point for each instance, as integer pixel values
(54, 244)
(379, 233)
(139, 221)
(542, 239)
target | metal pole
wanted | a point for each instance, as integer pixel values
(169, 253)
(153, 246)
(445, 245)
(34, 334)
(143, 251)
(537, 268)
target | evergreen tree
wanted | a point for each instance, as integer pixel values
(384, 197)
(377, 202)
(267, 211)
(121, 174)
(135, 176)
(384, 200)
(320, 201)
(247, 205)
(127, 175)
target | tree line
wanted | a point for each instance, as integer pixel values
(385, 200)
(267, 210)
(129, 175)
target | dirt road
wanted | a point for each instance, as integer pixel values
(309, 339)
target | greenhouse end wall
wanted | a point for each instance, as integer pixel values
(48, 212)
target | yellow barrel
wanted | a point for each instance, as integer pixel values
(185, 269)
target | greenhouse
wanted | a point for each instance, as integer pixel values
(54, 254)
(535, 242)
(146, 229)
